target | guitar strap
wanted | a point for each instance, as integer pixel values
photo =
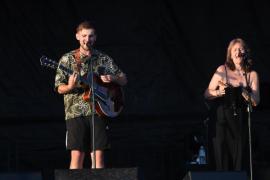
(77, 59)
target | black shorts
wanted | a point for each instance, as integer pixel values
(79, 134)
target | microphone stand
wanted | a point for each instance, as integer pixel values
(249, 110)
(92, 104)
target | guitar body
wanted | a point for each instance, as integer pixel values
(109, 98)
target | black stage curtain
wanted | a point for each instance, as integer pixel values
(168, 49)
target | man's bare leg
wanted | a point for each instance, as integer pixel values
(77, 158)
(99, 159)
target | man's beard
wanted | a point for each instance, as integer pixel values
(87, 46)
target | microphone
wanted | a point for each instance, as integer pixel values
(244, 55)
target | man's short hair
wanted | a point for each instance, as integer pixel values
(85, 25)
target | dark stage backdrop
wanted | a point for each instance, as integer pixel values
(168, 49)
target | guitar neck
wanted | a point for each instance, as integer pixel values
(70, 72)
(100, 91)
(81, 79)
(54, 65)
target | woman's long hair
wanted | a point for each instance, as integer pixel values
(247, 62)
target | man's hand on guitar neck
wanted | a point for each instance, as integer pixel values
(72, 81)
(65, 88)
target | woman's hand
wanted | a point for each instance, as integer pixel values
(221, 90)
(248, 96)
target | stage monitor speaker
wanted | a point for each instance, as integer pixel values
(99, 174)
(216, 175)
(20, 176)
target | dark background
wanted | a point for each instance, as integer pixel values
(169, 51)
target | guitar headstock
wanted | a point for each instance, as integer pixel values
(45, 61)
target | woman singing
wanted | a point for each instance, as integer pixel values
(234, 85)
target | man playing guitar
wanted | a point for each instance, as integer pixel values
(82, 62)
